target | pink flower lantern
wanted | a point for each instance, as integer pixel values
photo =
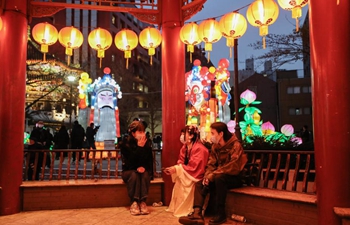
(267, 128)
(287, 130)
(231, 125)
(297, 140)
(249, 96)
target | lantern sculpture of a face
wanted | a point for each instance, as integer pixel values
(209, 33)
(295, 7)
(100, 40)
(262, 13)
(189, 36)
(232, 26)
(126, 40)
(150, 38)
(45, 34)
(71, 38)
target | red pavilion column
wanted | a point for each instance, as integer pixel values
(173, 87)
(330, 53)
(13, 52)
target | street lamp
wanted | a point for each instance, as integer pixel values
(71, 79)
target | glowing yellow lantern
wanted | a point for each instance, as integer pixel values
(71, 38)
(189, 36)
(262, 13)
(209, 32)
(126, 40)
(232, 26)
(100, 40)
(45, 34)
(295, 7)
(150, 38)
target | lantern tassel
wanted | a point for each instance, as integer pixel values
(44, 57)
(230, 52)
(264, 42)
(127, 63)
(297, 24)
(151, 61)
(191, 57)
(68, 60)
(208, 56)
(100, 62)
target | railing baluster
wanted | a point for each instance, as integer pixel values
(52, 164)
(261, 163)
(109, 164)
(68, 165)
(295, 178)
(86, 157)
(43, 166)
(277, 170)
(306, 173)
(267, 173)
(286, 172)
(117, 165)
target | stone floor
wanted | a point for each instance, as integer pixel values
(100, 216)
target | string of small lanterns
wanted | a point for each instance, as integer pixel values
(233, 25)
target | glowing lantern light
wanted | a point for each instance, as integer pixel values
(150, 38)
(248, 96)
(45, 34)
(71, 38)
(209, 33)
(126, 40)
(189, 36)
(231, 125)
(295, 7)
(262, 13)
(100, 40)
(232, 26)
(267, 128)
(287, 130)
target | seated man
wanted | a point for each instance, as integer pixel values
(226, 161)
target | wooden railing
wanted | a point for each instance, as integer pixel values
(282, 170)
(104, 164)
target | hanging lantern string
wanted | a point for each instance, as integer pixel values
(236, 10)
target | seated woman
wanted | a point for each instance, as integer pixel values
(190, 169)
(137, 166)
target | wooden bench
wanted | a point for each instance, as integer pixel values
(278, 190)
(74, 194)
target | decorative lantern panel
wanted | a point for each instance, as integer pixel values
(71, 38)
(100, 40)
(150, 38)
(126, 40)
(209, 32)
(45, 34)
(294, 6)
(189, 36)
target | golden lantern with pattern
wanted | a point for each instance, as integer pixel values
(150, 38)
(189, 36)
(262, 13)
(100, 40)
(45, 34)
(209, 32)
(126, 40)
(294, 6)
(71, 38)
(232, 26)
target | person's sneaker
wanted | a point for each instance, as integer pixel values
(135, 209)
(143, 208)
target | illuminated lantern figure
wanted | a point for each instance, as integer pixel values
(295, 7)
(71, 38)
(126, 40)
(232, 26)
(45, 34)
(100, 40)
(189, 36)
(150, 38)
(262, 13)
(209, 33)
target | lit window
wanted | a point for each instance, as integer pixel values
(298, 111)
(145, 89)
(140, 104)
(113, 19)
(296, 90)
(133, 86)
(113, 58)
(140, 88)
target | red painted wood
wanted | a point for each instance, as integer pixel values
(330, 52)
(13, 45)
(173, 87)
